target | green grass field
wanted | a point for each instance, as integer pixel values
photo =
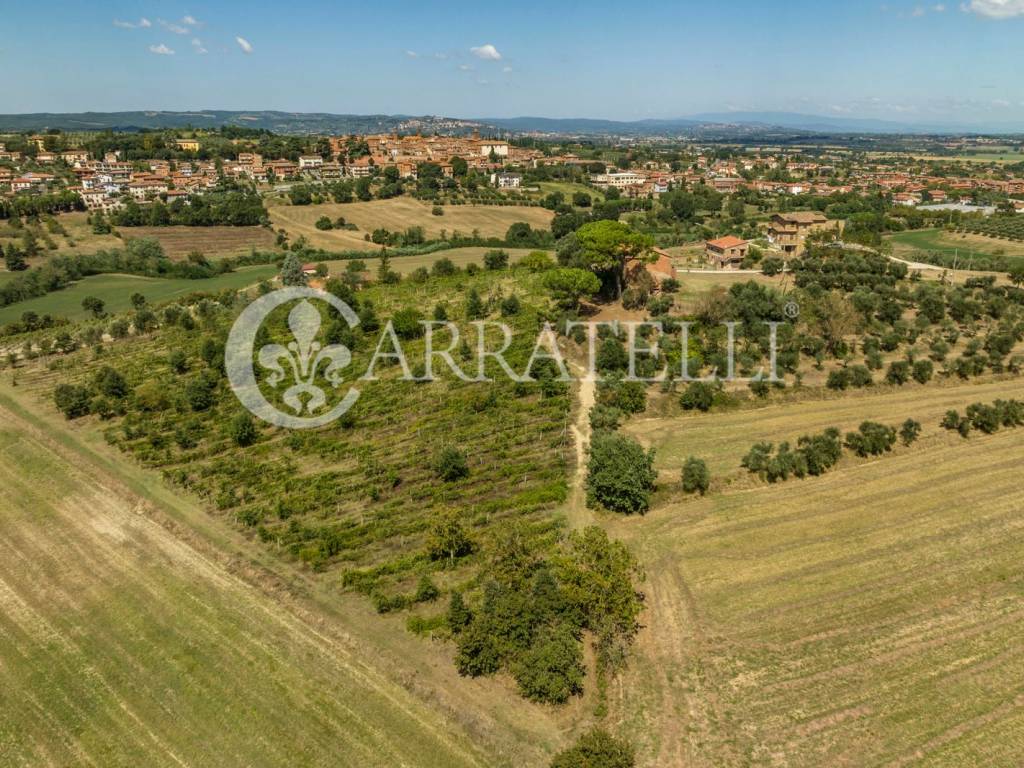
(116, 291)
(916, 245)
(871, 616)
(121, 645)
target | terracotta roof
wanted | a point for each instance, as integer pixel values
(729, 241)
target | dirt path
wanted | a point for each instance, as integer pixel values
(578, 514)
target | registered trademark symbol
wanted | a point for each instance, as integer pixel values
(792, 310)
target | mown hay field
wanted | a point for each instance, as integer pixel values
(404, 265)
(212, 242)
(871, 616)
(121, 645)
(397, 215)
(722, 439)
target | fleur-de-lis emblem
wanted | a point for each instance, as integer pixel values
(303, 357)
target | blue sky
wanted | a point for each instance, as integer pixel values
(904, 61)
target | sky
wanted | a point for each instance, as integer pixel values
(905, 61)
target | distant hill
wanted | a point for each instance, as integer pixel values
(713, 125)
(278, 122)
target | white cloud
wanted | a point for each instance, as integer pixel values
(487, 52)
(140, 24)
(175, 28)
(465, 68)
(940, 8)
(161, 50)
(412, 54)
(197, 46)
(190, 21)
(995, 9)
(506, 69)
(1001, 103)
(441, 56)
(244, 44)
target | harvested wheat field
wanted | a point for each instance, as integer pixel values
(124, 646)
(212, 242)
(868, 617)
(397, 215)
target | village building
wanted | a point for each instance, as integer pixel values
(726, 252)
(788, 231)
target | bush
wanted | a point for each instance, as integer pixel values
(923, 371)
(695, 476)
(426, 590)
(551, 670)
(620, 474)
(71, 400)
(450, 465)
(898, 373)
(605, 417)
(871, 439)
(494, 260)
(635, 298)
(596, 749)
(407, 323)
(243, 430)
(324, 223)
(536, 261)
(910, 431)
(699, 396)
(838, 379)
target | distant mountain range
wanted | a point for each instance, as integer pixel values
(708, 126)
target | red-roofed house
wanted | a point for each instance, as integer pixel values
(726, 252)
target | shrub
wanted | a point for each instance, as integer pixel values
(605, 417)
(426, 590)
(407, 323)
(923, 370)
(871, 439)
(620, 474)
(551, 670)
(448, 539)
(596, 749)
(109, 382)
(635, 298)
(699, 396)
(444, 268)
(495, 260)
(324, 223)
(450, 464)
(536, 261)
(243, 430)
(459, 615)
(910, 431)
(695, 476)
(71, 400)
(898, 373)
(838, 379)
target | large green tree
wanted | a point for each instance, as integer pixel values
(606, 246)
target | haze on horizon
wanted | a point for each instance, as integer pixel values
(907, 62)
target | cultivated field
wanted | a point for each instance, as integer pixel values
(404, 265)
(116, 291)
(121, 645)
(908, 245)
(871, 616)
(397, 215)
(723, 438)
(178, 242)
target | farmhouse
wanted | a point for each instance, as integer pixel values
(188, 145)
(726, 252)
(789, 231)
